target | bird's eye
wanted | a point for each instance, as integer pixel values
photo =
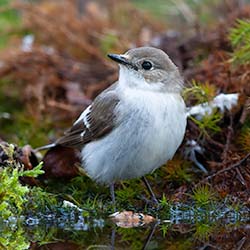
(147, 65)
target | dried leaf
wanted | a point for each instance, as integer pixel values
(129, 219)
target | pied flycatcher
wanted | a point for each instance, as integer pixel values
(134, 126)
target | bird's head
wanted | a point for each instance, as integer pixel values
(148, 68)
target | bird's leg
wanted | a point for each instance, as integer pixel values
(150, 190)
(113, 239)
(152, 231)
(112, 194)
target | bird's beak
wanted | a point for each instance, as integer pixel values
(121, 59)
(118, 58)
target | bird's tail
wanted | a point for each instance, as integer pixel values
(45, 147)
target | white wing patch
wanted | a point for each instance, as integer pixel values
(84, 116)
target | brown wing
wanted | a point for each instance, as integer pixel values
(96, 121)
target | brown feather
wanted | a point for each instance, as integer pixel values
(101, 120)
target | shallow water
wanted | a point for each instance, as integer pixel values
(73, 231)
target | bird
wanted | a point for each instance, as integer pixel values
(134, 126)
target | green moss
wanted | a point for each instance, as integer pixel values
(178, 170)
(181, 13)
(14, 239)
(15, 198)
(181, 244)
(9, 22)
(21, 127)
(199, 92)
(239, 37)
(131, 235)
(203, 231)
(108, 42)
(13, 195)
(83, 192)
(244, 138)
(204, 196)
(208, 124)
(129, 191)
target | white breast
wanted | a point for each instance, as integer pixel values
(151, 128)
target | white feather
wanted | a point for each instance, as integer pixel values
(83, 117)
(151, 128)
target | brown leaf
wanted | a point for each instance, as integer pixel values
(129, 219)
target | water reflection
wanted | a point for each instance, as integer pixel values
(105, 234)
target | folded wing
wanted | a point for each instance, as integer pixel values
(95, 122)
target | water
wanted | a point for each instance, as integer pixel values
(74, 231)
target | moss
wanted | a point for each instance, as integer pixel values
(204, 195)
(199, 92)
(173, 12)
(131, 235)
(21, 127)
(9, 22)
(208, 124)
(13, 194)
(14, 239)
(178, 170)
(17, 199)
(239, 37)
(244, 138)
(108, 42)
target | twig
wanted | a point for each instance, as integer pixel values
(228, 140)
(227, 169)
(215, 143)
(152, 231)
(241, 243)
(241, 178)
